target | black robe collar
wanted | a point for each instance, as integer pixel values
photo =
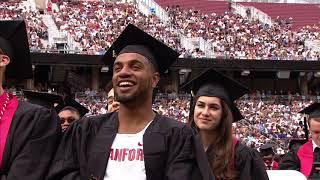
(101, 146)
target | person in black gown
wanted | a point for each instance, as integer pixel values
(212, 114)
(70, 111)
(29, 133)
(135, 142)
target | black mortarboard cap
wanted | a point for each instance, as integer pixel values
(135, 40)
(14, 43)
(266, 149)
(42, 98)
(313, 110)
(214, 84)
(68, 101)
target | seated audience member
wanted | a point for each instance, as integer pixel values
(69, 111)
(268, 156)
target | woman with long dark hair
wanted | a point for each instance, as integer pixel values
(212, 114)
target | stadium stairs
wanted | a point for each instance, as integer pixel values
(53, 30)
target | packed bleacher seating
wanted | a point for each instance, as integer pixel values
(272, 119)
(37, 31)
(301, 14)
(268, 118)
(233, 36)
(95, 25)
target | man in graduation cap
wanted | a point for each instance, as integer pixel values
(28, 133)
(306, 158)
(134, 143)
(69, 111)
(268, 156)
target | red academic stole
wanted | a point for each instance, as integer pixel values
(6, 122)
(305, 155)
(234, 143)
(275, 165)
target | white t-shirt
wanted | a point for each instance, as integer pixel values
(126, 158)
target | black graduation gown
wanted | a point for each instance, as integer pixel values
(31, 143)
(290, 161)
(249, 163)
(169, 150)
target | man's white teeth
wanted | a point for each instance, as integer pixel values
(125, 84)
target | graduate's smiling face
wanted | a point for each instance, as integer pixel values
(207, 113)
(315, 130)
(134, 78)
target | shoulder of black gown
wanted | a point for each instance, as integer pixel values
(249, 163)
(186, 158)
(72, 150)
(25, 108)
(31, 142)
(166, 125)
(290, 160)
(91, 124)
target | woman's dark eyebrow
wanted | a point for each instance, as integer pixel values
(214, 104)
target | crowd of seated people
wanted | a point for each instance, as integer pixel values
(95, 25)
(234, 36)
(268, 118)
(37, 31)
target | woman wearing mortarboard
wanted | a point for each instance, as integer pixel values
(29, 133)
(212, 114)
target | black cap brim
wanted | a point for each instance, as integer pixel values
(15, 34)
(266, 149)
(132, 35)
(42, 98)
(313, 110)
(68, 101)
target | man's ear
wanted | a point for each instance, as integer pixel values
(155, 79)
(4, 60)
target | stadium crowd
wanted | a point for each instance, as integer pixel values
(95, 25)
(233, 36)
(267, 118)
(37, 31)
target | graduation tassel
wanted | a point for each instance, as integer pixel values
(191, 106)
(306, 131)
